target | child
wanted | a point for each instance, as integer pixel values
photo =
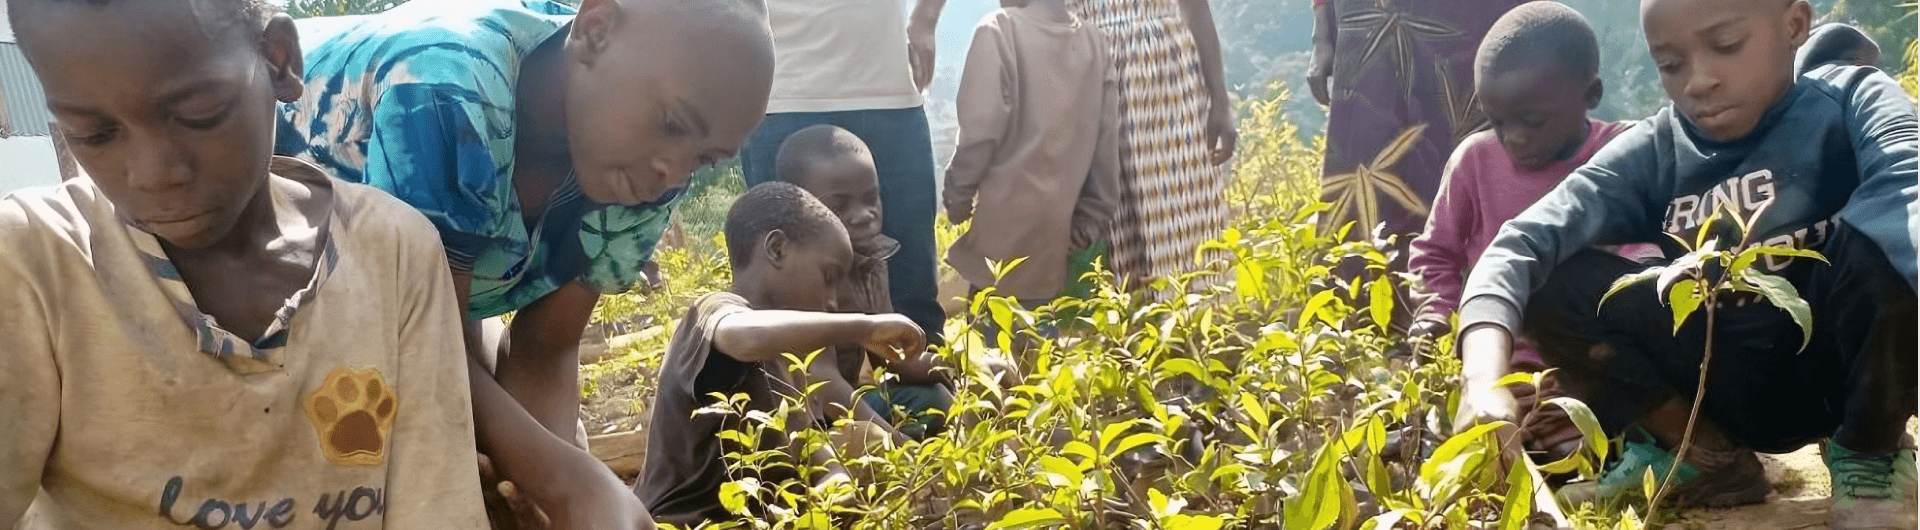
(200, 333)
(789, 255)
(1038, 156)
(545, 145)
(1537, 75)
(1827, 160)
(834, 166)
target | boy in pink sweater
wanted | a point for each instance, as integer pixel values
(1538, 75)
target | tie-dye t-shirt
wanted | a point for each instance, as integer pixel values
(419, 101)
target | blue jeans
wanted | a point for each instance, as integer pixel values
(903, 155)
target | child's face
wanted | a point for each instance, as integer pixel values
(1724, 62)
(660, 93)
(848, 185)
(810, 272)
(172, 114)
(1539, 111)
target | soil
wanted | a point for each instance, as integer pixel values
(1799, 499)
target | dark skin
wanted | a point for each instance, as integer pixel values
(1222, 133)
(848, 184)
(1538, 110)
(172, 114)
(627, 101)
(1723, 62)
(797, 281)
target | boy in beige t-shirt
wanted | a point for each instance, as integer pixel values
(197, 333)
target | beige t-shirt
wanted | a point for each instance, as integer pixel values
(1038, 155)
(125, 407)
(835, 55)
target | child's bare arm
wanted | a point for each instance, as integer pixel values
(566, 481)
(763, 335)
(1485, 351)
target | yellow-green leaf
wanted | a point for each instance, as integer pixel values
(1380, 301)
(1783, 295)
(1030, 518)
(1683, 299)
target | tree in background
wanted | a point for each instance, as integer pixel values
(334, 8)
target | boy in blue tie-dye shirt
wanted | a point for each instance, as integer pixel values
(547, 146)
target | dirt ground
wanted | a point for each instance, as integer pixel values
(1799, 500)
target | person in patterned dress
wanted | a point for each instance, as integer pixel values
(1177, 128)
(1397, 76)
(546, 146)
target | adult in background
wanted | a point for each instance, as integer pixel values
(1176, 129)
(1397, 76)
(861, 65)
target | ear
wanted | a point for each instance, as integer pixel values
(1799, 22)
(1594, 91)
(593, 29)
(774, 248)
(280, 44)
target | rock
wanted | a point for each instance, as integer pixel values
(623, 452)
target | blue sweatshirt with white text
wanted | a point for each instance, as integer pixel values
(1838, 147)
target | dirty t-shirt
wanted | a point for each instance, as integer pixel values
(681, 480)
(123, 406)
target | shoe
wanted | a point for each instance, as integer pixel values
(1734, 477)
(1871, 490)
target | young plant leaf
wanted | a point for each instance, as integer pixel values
(1583, 418)
(1629, 280)
(1683, 298)
(1380, 301)
(1519, 510)
(1783, 295)
(1747, 257)
(1029, 518)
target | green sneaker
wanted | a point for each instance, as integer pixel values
(1871, 490)
(1735, 478)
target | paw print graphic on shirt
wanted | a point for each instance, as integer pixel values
(352, 412)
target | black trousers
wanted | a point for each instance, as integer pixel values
(1854, 381)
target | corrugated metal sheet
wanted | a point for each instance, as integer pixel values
(26, 104)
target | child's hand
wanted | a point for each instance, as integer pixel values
(1084, 232)
(918, 369)
(1427, 329)
(959, 212)
(507, 506)
(892, 336)
(1485, 405)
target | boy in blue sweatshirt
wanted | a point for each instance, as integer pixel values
(1828, 158)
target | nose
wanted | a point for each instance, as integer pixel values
(1703, 81)
(1516, 139)
(669, 173)
(156, 165)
